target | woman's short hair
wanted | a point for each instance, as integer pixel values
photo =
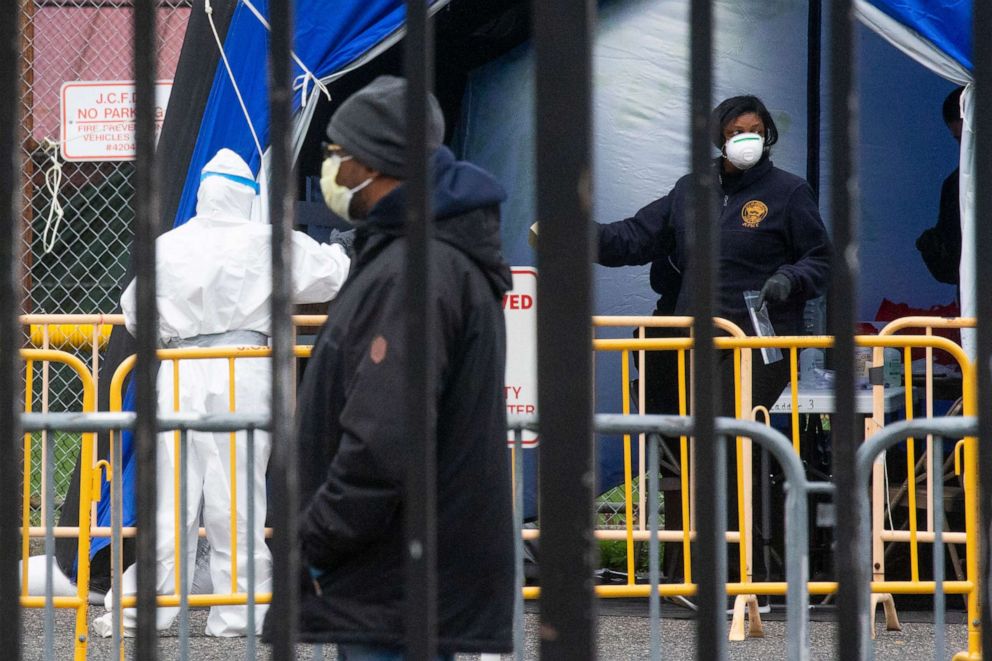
(732, 108)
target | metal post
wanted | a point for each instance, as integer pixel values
(813, 44)
(562, 39)
(982, 58)
(653, 546)
(704, 246)
(10, 422)
(250, 651)
(285, 495)
(183, 539)
(850, 566)
(146, 369)
(518, 545)
(421, 488)
(939, 618)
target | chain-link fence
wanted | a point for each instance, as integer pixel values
(76, 213)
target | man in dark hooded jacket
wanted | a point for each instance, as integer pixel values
(354, 447)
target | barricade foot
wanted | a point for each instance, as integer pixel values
(746, 603)
(967, 656)
(889, 606)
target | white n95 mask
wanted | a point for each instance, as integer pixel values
(338, 197)
(744, 150)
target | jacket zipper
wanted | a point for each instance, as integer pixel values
(726, 198)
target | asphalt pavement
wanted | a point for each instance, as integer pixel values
(623, 633)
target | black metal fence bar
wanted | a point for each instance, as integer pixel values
(562, 36)
(814, 40)
(711, 463)
(10, 215)
(420, 490)
(285, 495)
(850, 565)
(146, 370)
(982, 123)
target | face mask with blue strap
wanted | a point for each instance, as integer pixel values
(244, 181)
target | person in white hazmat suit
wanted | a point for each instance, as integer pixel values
(213, 289)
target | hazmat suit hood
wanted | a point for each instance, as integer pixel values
(227, 188)
(462, 191)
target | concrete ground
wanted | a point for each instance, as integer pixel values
(623, 633)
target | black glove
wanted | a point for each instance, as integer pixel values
(776, 290)
(344, 239)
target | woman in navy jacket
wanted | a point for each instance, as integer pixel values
(772, 240)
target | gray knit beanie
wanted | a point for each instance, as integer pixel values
(370, 125)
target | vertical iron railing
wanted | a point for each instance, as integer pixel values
(850, 565)
(285, 561)
(711, 452)
(814, 41)
(562, 37)
(421, 491)
(982, 58)
(146, 369)
(10, 241)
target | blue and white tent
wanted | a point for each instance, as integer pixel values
(641, 87)
(938, 35)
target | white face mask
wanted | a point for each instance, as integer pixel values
(338, 197)
(744, 150)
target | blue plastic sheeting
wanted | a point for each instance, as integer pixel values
(947, 24)
(128, 472)
(328, 36)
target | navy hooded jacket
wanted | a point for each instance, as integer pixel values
(354, 444)
(769, 223)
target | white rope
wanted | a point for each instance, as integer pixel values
(53, 183)
(301, 82)
(208, 8)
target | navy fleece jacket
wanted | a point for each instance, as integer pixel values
(769, 223)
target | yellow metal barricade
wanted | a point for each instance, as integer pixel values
(880, 534)
(747, 586)
(231, 355)
(88, 481)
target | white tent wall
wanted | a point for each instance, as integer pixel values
(641, 132)
(641, 139)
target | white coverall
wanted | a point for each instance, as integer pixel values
(214, 279)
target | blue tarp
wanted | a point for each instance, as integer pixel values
(327, 38)
(947, 24)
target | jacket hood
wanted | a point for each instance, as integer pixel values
(466, 202)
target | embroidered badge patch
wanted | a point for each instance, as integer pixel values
(377, 352)
(753, 213)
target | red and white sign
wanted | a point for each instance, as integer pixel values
(520, 311)
(98, 119)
